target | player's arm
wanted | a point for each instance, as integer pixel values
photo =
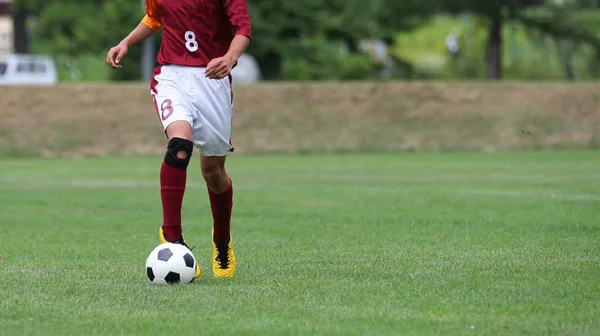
(150, 24)
(237, 47)
(237, 12)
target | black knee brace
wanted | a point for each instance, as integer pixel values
(175, 145)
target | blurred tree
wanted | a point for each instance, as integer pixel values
(497, 12)
(573, 25)
(87, 27)
(287, 32)
(557, 20)
(20, 36)
(21, 10)
(311, 33)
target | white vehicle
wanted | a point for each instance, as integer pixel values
(20, 69)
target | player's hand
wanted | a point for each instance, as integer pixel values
(219, 68)
(115, 54)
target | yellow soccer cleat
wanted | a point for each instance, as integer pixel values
(161, 236)
(223, 260)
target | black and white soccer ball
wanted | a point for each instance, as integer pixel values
(171, 263)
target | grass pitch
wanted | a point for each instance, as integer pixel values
(403, 244)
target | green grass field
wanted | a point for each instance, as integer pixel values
(394, 244)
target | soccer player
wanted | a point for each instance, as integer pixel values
(191, 88)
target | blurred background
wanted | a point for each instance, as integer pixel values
(378, 75)
(332, 39)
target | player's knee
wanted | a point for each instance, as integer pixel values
(179, 153)
(213, 173)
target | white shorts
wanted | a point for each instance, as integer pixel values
(184, 93)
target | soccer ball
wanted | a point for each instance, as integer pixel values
(171, 263)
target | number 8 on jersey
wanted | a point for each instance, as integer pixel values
(190, 41)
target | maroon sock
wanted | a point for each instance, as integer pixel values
(172, 188)
(221, 205)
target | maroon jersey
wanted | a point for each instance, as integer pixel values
(196, 31)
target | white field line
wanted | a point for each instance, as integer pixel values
(41, 184)
(155, 184)
(113, 184)
(145, 184)
(99, 184)
(524, 193)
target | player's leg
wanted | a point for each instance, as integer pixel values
(173, 176)
(175, 113)
(220, 192)
(212, 132)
